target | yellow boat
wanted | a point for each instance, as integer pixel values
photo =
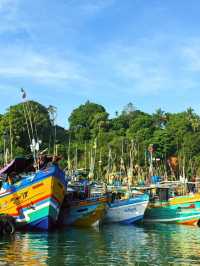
(35, 200)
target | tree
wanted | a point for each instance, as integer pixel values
(85, 120)
(175, 134)
(26, 121)
(160, 118)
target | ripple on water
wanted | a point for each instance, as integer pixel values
(111, 245)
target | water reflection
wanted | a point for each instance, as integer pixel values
(22, 248)
(111, 245)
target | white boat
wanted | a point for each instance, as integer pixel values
(127, 211)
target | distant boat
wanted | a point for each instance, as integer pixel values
(81, 208)
(126, 210)
(35, 199)
(171, 203)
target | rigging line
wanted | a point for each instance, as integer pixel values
(11, 136)
(49, 145)
(55, 141)
(85, 156)
(68, 154)
(29, 135)
(34, 119)
(29, 117)
(53, 112)
(76, 159)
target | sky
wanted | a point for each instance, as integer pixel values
(112, 52)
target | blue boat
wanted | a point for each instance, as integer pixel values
(82, 207)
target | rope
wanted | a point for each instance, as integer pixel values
(29, 135)
(35, 128)
(29, 117)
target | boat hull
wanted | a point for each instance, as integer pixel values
(180, 210)
(35, 201)
(84, 213)
(127, 211)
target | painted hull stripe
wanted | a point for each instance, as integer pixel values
(132, 220)
(129, 204)
(30, 184)
(26, 213)
(173, 219)
(38, 202)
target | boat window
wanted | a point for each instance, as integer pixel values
(191, 187)
(82, 210)
(163, 194)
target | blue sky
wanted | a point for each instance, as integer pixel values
(112, 52)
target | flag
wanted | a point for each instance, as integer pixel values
(23, 93)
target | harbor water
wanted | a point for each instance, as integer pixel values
(159, 244)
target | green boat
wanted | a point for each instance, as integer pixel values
(174, 202)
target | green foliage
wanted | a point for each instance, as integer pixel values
(87, 120)
(90, 127)
(87, 115)
(24, 122)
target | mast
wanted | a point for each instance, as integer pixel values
(25, 116)
(68, 156)
(85, 157)
(130, 170)
(4, 148)
(11, 136)
(34, 142)
(122, 160)
(92, 159)
(53, 115)
(100, 163)
(150, 162)
(76, 159)
(109, 166)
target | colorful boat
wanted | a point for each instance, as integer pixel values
(35, 200)
(128, 210)
(83, 213)
(166, 207)
(84, 205)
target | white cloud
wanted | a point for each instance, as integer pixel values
(191, 54)
(132, 70)
(144, 66)
(147, 67)
(92, 7)
(17, 62)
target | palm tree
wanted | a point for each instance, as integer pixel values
(160, 118)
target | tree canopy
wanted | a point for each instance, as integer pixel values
(175, 134)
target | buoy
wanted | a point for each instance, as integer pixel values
(7, 225)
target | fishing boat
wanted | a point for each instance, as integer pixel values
(32, 198)
(83, 206)
(126, 207)
(174, 202)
